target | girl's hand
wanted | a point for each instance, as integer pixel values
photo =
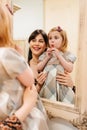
(49, 53)
(55, 51)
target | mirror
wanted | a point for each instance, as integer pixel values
(64, 13)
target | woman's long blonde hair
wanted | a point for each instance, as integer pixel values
(5, 27)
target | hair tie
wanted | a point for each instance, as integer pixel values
(59, 29)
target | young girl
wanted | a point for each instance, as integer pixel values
(55, 60)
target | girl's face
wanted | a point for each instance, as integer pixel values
(37, 45)
(55, 39)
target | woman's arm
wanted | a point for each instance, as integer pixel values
(26, 77)
(19, 49)
(14, 121)
(29, 101)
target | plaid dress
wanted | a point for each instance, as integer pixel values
(51, 88)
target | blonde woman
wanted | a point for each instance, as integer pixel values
(18, 95)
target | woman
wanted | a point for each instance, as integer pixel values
(38, 42)
(16, 79)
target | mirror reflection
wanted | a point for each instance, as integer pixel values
(48, 63)
(64, 17)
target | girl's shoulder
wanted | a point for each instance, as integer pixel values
(42, 56)
(69, 56)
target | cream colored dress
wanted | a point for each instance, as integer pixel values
(11, 91)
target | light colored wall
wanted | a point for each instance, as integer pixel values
(5, 1)
(28, 18)
(46, 14)
(64, 13)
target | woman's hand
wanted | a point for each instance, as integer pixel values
(41, 78)
(65, 79)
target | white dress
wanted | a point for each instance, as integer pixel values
(11, 91)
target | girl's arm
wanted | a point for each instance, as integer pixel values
(68, 66)
(41, 65)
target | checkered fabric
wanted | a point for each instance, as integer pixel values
(49, 88)
(53, 90)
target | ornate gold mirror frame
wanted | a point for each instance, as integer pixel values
(76, 114)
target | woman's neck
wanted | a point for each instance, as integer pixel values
(33, 65)
(34, 60)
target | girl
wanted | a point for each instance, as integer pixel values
(55, 60)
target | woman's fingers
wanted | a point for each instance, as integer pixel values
(42, 77)
(65, 79)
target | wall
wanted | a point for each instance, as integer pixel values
(28, 18)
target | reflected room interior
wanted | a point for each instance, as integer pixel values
(47, 15)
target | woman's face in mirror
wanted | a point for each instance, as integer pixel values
(37, 45)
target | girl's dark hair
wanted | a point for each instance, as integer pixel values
(33, 36)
